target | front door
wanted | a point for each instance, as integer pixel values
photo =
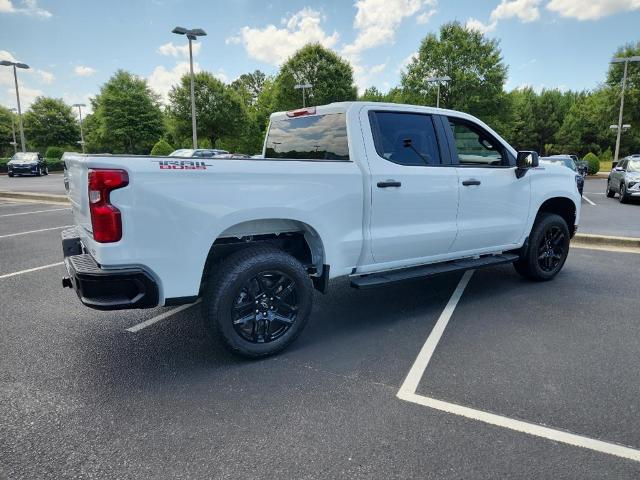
(494, 202)
(414, 197)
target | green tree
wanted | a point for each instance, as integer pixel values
(127, 116)
(474, 64)
(50, 123)
(630, 140)
(330, 75)
(593, 161)
(249, 86)
(372, 94)
(220, 111)
(54, 152)
(162, 148)
(6, 134)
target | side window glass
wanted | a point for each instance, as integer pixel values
(475, 147)
(405, 138)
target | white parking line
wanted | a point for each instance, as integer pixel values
(35, 269)
(162, 316)
(588, 201)
(37, 211)
(35, 231)
(408, 393)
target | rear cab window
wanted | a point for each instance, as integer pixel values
(405, 138)
(309, 137)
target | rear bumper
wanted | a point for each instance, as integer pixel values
(105, 289)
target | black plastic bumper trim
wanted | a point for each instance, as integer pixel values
(173, 301)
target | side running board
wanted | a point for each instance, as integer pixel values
(393, 276)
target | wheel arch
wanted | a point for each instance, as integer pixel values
(563, 206)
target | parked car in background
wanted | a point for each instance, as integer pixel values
(568, 162)
(27, 163)
(198, 153)
(581, 165)
(624, 179)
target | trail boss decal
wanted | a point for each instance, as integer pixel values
(181, 165)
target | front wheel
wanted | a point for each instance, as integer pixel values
(610, 193)
(547, 250)
(258, 301)
(624, 196)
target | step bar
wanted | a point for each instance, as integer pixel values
(393, 276)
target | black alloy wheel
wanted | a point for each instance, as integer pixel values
(551, 249)
(266, 307)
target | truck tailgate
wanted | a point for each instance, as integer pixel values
(75, 181)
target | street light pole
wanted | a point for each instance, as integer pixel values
(13, 130)
(7, 63)
(626, 61)
(80, 105)
(438, 81)
(303, 87)
(192, 34)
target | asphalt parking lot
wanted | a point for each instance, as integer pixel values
(83, 397)
(52, 183)
(607, 216)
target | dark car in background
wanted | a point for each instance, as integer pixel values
(568, 162)
(27, 163)
(624, 179)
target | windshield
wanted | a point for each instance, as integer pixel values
(25, 156)
(183, 152)
(633, 166)
(567, 162)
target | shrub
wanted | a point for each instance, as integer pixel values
(54, 152)
(162, 148)
(593, 161)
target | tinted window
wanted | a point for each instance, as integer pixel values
(475, 146)
(316, 137)
(405, 138)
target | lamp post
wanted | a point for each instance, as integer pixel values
(438, 81)
(626, 61)
(80, 105)
(192, 34)
(303, 87)
(13, 130)
(7, 63)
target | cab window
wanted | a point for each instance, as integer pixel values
(405, 138)
(476, 147)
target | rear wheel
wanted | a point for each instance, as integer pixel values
(258, 301)
(547, 250)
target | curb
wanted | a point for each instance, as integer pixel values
(42, 197)
(586, 239)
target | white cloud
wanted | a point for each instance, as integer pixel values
(71, 98)
(162, 79)
(424, 17)
(524, 10)
(592, 9)
(44, 76)
(405, 63)
(179, 51)
(83, 71)
(29, 7)
(475, 24)
(274, 45)
(378, 20)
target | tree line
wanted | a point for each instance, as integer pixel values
(128, 117)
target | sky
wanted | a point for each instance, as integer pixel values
(74, 46)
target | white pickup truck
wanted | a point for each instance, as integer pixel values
(377, 192)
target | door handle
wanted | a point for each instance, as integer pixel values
(389, 183)
(471, 181)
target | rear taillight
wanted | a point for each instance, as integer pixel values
(105, 218)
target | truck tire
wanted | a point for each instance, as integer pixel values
(257, 301)
(547, 249)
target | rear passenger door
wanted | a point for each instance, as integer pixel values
(414, 197)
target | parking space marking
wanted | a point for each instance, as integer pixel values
(588, 201)
(37, 211)
(35, 231)
(162, 316)
(35, 269)
(408, 393)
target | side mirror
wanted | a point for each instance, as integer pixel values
(614, 165)
(526, 159)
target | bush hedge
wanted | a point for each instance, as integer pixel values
(593, 161)
(55, 164)
(54, 152)
(162, 147)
